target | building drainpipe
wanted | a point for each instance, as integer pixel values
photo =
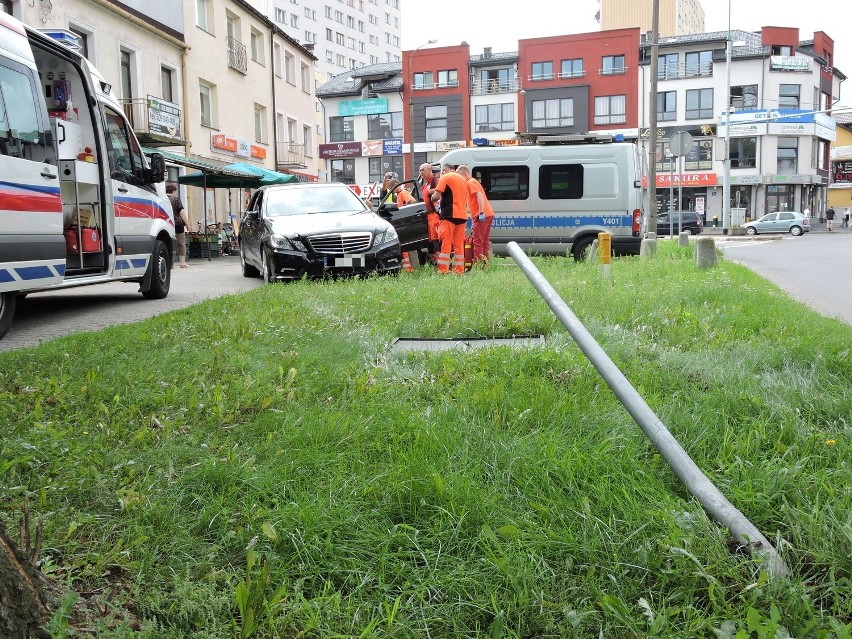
(274, 107)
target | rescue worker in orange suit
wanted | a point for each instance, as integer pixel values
(399, 194)
(482, 214)
(452, 191)
(430, 181)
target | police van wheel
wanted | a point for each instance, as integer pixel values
(161, 275)
(581, 248)
(7, 310)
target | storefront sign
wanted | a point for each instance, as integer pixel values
(223, 142)
(787, 128)
(841, 172)
(449, 146)
(338, 150)
(392, 146)
(373, 106)
(243, 148)
(789, 63)
(684, 179)
(745, 179)
(424, 147)
(797, 178)
(666, 132)
(371, 147)
(257, 152)
(163, 117)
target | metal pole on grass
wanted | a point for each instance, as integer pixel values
(671, 192)
(711, 498)
(680, 194)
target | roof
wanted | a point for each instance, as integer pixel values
(382, 78)
(507, 57)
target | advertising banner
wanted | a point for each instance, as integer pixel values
(163, 117)
(338, 150)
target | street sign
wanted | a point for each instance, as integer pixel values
(681, 143)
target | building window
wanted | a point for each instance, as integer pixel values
(743, 153)
(206, 93)
(744, 97)
(341, 129)
(294, 21)
(542, 71)
(552, 113)
(788, 155)
(306, 78)
(423, 80)
(436, 124)
(343, 171)
(84, 36)
(572, 69)
(276, 59)
(380, 165)
(788, 96)
(6, 7)
(340, 39)
(612, 65)
(290, 68)
(667, 105)
(699, 63)
(280, 15)
(127, 73)
(341, 60)
(782, 50)
(307, 140)
(329, 35)
(494, 117)
(448, 78)
(203, 19)
(384, 125)
(667, 66)
(167, 84)
(257, 46)
(329, 57)
(611, 109)
(259, 123)
(699, 104)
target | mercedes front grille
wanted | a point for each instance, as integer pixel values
(340, 243)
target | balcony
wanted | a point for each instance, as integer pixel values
(290, 156)
(567, 75)
(155, 122)
(483, 87)
(613, 71)
(538, 77)
(237, 59)
(685, 70)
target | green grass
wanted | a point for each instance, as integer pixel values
(261, 465)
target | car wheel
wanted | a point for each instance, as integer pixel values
(8, 301)
(581, 248)
(248, 269)
(795, 230)
(266, 267)
(694, 231)
(161, 274)
(750, 230)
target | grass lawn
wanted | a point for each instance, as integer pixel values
(261, 465)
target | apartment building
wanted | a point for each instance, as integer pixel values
(840, 186)
(677, 17)
(345, 34)
(779, 130)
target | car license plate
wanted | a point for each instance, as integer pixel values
(350, 261)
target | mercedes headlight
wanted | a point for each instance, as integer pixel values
(287, 243)
(389, 235)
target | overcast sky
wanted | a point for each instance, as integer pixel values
(491, 24)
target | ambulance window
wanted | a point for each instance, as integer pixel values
(125, 156)
(561, 182)
(20, 133)
(504, 182)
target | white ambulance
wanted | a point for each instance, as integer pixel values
(79, 202)
(557, 195)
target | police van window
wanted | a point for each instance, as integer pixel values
(20, 134)
(125, 156)
(560, 182)
(504, 182)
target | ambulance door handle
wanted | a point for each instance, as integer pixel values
(121, 189)
(47, 172)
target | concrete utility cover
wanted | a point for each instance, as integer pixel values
(404, 344)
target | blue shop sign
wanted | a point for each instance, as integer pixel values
(393, 146)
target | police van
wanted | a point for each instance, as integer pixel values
(557, 194)
(79, 202)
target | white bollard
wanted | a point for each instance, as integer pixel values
(683, 238)
(592, 255)
(648, 246)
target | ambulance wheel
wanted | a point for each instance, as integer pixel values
(161, 275)
(7, 310)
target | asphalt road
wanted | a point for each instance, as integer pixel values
(815, 268)
(45, 316)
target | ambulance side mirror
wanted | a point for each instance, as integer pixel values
(157, 172)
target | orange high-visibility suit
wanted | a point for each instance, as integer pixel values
(453, 216)
(478, 203)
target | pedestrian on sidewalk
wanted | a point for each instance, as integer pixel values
(181, 222)
(846, 218)
(829, 216)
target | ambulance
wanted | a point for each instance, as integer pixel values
(555, 195)
(79, 202)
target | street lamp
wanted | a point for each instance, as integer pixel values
(726, 179)
(411, 107)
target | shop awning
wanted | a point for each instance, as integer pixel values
(201, 164)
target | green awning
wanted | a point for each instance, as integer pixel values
(200, 164)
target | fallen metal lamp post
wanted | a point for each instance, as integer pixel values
(710, 497)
